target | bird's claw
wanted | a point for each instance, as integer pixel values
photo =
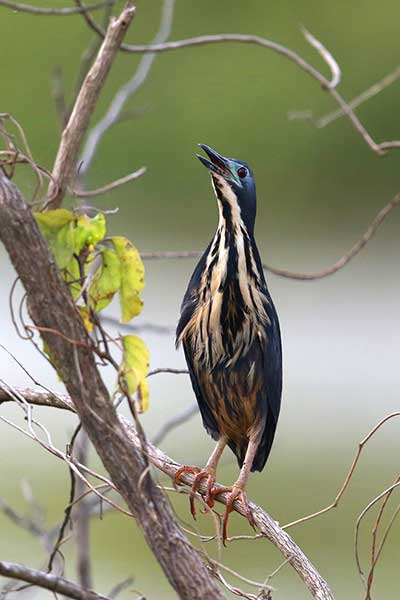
(199, 475)
(235, 493)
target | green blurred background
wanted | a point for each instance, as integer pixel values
(317, 191)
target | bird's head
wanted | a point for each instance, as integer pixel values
(233, 183)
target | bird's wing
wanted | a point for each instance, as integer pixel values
(189, 304)
(270, 398)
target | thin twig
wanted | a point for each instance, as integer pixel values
(64, 12)
(110, 186)
(378, 148)
(326, 56)
(358, 523)
(375, 555)
(372, 91)
(130, 88)
(339, 264)
(349, 473)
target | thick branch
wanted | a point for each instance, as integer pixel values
(267, 526)
(48, 581)
(51, 307)
(72, 136)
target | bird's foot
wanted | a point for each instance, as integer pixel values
(200, 474)
(236, 492)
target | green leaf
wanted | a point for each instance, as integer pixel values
(52, 220)
(89, 232)
(132, 278)
(72, 277)
(106, 281)
(57, 227)
(135, 367)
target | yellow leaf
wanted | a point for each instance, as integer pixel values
(135, 367)
(86, 319)
(132, 278)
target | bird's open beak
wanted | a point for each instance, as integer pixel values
(217, 163)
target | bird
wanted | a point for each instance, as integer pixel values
(230, 333)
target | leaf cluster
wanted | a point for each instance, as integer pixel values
(96, 269)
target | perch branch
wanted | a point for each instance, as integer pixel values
(74, 131)
(267, 526)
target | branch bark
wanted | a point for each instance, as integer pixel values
(48, 581)
(72, 136)
(267, 526)
(51, 307)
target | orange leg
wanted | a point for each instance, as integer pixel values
(237, 491)
(209, 472)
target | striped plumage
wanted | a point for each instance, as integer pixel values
(229, 328)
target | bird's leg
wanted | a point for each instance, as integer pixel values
(237, 491)
(209, 472)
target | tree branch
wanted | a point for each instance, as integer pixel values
(329, 86)
(48, 581)
(267, 526)
(52, 308)
(74, 131)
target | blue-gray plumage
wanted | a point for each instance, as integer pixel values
(230, 334)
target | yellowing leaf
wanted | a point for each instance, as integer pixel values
(135, 367)
(132, 278)
(106, 281)
(86, 319)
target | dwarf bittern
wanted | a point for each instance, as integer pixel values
(230, 334)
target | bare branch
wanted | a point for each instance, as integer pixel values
(378, 148)
(72, 136)
(149, 327)
(168, 370)
(114, 111)
(48, 581)
(358, 523)
(36, 10)
(349, 475)
(110, 186)
(267, 526)
(326, 56)
(372, 91)
(339, 264)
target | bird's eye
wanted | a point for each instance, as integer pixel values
(242, 172)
